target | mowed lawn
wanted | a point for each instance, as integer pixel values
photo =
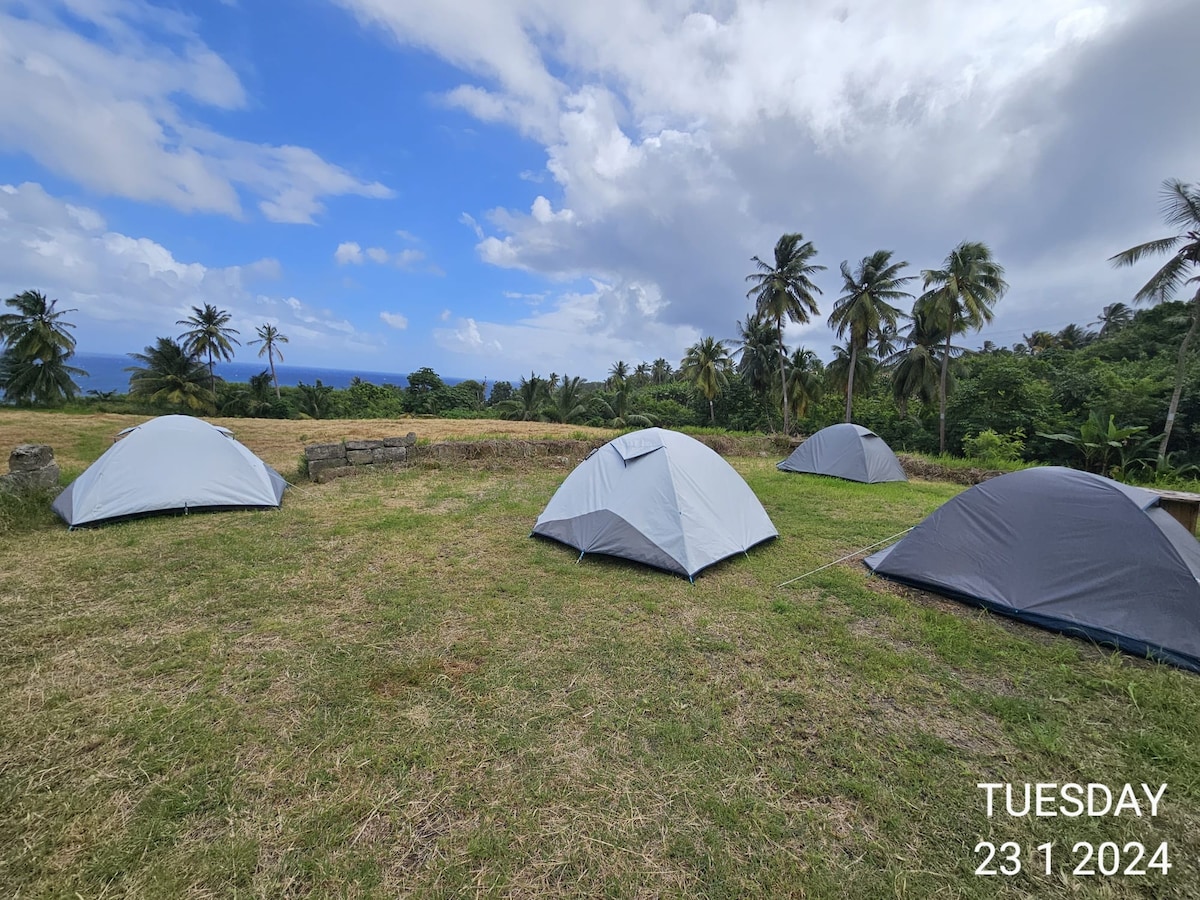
(388, 688)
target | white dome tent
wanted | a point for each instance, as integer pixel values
(166, 465)
(657, 497)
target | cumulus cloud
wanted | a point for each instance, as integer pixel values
(683, 138)
(348, 253)
(352, 253)
(395, 320)
(129, 290)
(111, 106)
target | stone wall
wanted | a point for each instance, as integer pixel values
(30, 467)
(327, 461)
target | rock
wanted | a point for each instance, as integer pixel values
(388, 454)
(358, 457)
(336, 472)
(409, 440)
(363, 445)
(324, 451)
(30, 457)
(317, 466)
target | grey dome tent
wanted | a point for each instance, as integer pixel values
(846, 451)
(657, 497)
(170, 464)
(1065, 550)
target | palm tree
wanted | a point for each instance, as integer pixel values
(759, 347)
(806, 379)
(1113, 318)
(785, 290)
(37, 345)
(1180, 207)
(316, 400)
(707, 365)
(567, 404)
(849, 370)
(169, 374)
(1073, 336)
(863, 309)
(617, 374)
(641, 375)
(916, 367)
(209, 335)
(37, 380)
(661, 371)
(1039, 342)
(270, 337)
(528, 400)
(961, 295)
(36, 329)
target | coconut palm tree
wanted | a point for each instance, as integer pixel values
(960, 295)
(617, 375)
(270, 338)
(527, 402)
(785, 291)
(169, 374)
(863, 310)
(567, 403)
(661, 371)
(1073, 336)
(316, 400)
(1113, 318)
(36, 330)
(641, 375)
(758, 349)
(36, 380)
(707, 365)
(806, 381)
(1181, 208)
(210, 336)
(848, 370)
(916, 367)
(1040, 341)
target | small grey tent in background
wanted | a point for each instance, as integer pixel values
(846, 451)
(170, 464)
(657, 497)
(1068, 551)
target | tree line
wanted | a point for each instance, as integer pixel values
(897, 370)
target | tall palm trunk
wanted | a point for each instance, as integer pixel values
(274, 378)
(782, 375)
(212, 374)
(850, 380)
(1180, 371)
(942, 397)
(712, 413)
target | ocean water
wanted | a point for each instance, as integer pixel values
(107, 373)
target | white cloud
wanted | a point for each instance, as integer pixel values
(129, 290)
(445, 315)
(395, 320)
(110, 108)
(377, 254)
(348, 253)
(684, 137)
(582, 333)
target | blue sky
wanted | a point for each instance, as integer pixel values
(492, 189)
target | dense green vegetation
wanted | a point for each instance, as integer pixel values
(1114, 400)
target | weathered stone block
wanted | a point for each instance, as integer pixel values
(336, 472)
(317, 466)
(30, 457)
(324, 451)
(358, 457)
(409, 440)
(388, 454)
(18, 482)
(363, 445)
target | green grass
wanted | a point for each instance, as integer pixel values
(387, 688)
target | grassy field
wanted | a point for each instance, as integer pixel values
(387, 688)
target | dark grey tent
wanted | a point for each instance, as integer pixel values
(846, 451)
(657, 497)
(1065, 550)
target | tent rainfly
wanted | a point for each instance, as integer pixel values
(1065, 550)
(657, 497)
(846, 451)
(170, 464)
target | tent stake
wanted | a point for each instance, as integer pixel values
(848, 556)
